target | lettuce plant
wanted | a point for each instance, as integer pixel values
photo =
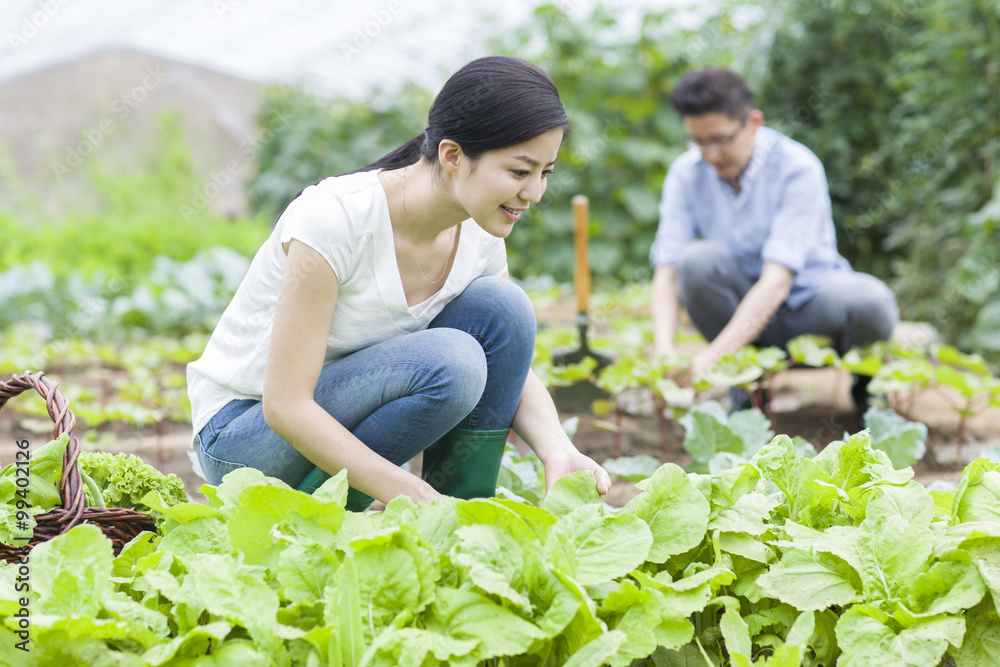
(785, 559)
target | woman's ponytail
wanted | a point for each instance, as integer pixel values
(407, 154)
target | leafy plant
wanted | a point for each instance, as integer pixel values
(174, 298)
(970, 377)
(903, 440)
(718, 441)
(749, 368)
(521, 476)
(815, 351)
(136, 383)
(634, 372)
(632, 468)
(942, 367)
(784, 560)
(110, 480)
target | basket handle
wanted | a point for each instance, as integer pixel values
(71, 484)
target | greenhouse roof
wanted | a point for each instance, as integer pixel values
(335, 46)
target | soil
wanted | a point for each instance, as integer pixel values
(812, 403)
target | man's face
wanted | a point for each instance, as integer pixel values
(725, 143)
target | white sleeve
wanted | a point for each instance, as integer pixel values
(318, 218)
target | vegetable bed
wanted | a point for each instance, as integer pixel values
(785, 560)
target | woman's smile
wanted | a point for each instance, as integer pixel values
(513, 214)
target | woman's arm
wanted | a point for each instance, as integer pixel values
(537, 423)
(306, 302)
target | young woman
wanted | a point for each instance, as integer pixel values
(377, 321)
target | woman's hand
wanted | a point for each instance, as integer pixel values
(564, 462)
(537, 423)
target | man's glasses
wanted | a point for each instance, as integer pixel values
(718, 142)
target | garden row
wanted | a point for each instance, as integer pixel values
(142, 382)
(899, 373)
(784, 560)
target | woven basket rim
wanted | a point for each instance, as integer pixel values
(72, 509)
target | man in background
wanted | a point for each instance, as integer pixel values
(746, 239)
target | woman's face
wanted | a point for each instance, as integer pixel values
(498, 188)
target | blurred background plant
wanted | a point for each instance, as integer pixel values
(125, 262)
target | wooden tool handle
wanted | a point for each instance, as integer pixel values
(581, 237)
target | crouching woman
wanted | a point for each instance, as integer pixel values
(377, 321)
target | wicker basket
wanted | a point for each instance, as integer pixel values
(118, 524)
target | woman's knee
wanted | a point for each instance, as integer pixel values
(506, 301)
(457, 364)
(498, 314)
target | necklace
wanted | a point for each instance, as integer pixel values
(409, 237)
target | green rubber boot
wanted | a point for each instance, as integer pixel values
(464, 463)
(356, 501)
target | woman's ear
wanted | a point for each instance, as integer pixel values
(450, 155)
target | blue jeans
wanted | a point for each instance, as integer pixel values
(466, 369)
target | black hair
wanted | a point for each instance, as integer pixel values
(713, 90)
(491, 103)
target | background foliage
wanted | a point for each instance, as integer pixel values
(130, 216)
(328, 137)
(138, 254)
(900, 99)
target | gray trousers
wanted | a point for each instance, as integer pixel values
(853, 309)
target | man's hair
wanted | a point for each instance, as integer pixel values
(712, 90)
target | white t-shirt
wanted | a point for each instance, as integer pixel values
(346, 220)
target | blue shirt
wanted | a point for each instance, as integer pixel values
(782, 213)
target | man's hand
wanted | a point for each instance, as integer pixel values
(703, 362)
(751, 317)
(564, 462)
(665, 349)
